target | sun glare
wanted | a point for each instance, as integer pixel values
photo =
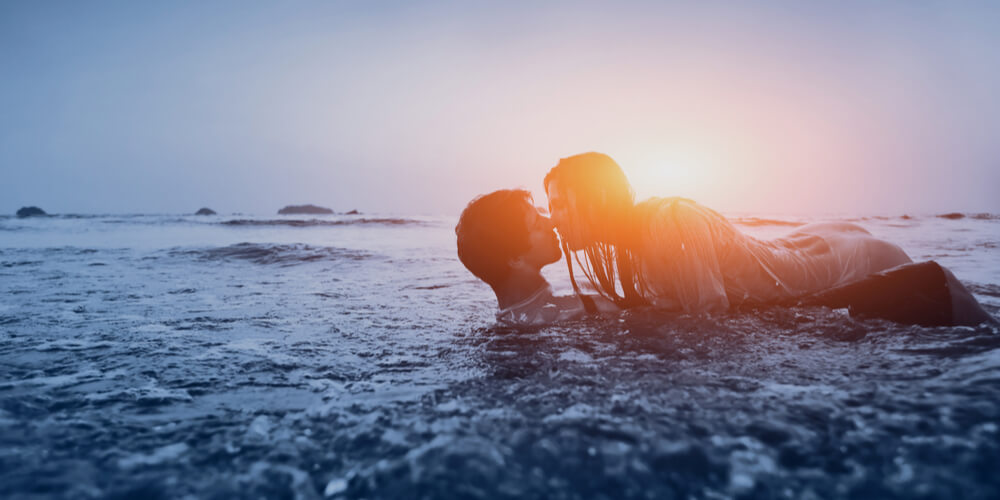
(669, 173)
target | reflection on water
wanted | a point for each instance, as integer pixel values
(360, 361)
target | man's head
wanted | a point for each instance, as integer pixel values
(503, 230)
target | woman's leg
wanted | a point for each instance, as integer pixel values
(923, 293)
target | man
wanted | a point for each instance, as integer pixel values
(505, 241)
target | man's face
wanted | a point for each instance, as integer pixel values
(544, 245)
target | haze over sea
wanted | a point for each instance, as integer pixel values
(338, 356)
(416, 107)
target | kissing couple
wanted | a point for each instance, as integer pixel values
(677, 255)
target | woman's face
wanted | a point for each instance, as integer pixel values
(563, 210)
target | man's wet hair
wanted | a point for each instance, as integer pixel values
(491, 232)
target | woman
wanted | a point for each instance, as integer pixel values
(676, 254)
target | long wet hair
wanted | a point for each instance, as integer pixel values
(604, 209)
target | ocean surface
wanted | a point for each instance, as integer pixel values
(164, 356)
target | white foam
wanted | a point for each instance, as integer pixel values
(336, 486)
(158, 456)
(61, 380)
(575, 355)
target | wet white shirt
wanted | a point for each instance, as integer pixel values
(542, 308)
(693, 259)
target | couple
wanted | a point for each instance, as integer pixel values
(674, 254)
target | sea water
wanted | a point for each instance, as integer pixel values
(163, 356)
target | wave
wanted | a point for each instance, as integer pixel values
(883, 218)
(320, 222)
(139, 220)
(988, 289)
(88, 216)
(976, 216)
(266, 253)
(756, 221)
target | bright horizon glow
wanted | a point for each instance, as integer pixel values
(415, 108)
(671, 173)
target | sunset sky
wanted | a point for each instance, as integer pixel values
(416, 107)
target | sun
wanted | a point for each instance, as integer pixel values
(669, 172)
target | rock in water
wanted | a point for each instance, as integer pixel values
(30, 212)
(953, 216)
(205, 211)
(304, 209)
(353, 212)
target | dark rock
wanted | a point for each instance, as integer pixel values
(953, 215)
(205, 211)
(985, 216)
(30, 212)
(304, 209)
(353, 212)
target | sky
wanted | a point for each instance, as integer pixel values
(416, 107)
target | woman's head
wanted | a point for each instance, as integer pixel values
(591, 203)
(589, 199)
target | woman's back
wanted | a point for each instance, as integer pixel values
(691, 258)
